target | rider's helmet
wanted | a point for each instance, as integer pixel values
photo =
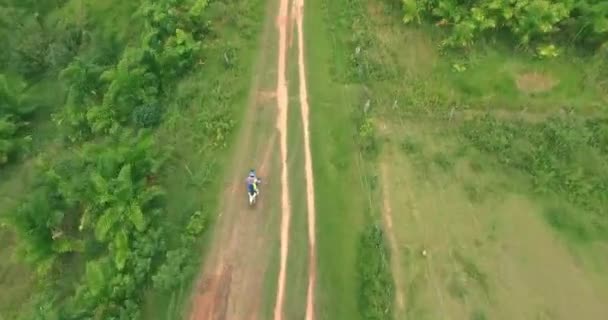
(252, 173)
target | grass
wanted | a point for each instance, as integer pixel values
(425, 81)
(341, 98)
(491, 78)
(339, 193)
(550, 153)
(482, 255)
(467, 203)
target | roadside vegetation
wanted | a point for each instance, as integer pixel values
(102, 208)
(376, 284)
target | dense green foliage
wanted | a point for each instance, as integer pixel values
(563, 156)
(39, 44)
(177, 267)
(98, 204)
(103, 97)
(376, 283)
(93, 224)
(530, 21)
(15, 110)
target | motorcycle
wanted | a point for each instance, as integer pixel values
(253, 194)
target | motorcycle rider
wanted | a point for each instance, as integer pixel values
(252, 182)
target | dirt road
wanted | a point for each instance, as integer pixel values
(231, 284)
(282, 105)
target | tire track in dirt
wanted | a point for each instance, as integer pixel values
(282, 104)
(387, 215)
(310, 194)
(431, 274)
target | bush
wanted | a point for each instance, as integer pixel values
(31, 50)
(15, 110)
(133, 88)
(538, 21)
(63, 45)
(376, 288)
(366, 131)
(175, 269)
(146, 116)
(97, 204)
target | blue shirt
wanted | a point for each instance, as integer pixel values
(251, 180)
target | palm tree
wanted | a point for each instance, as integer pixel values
(119, 195)
(15, 108)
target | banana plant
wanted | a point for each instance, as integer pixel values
(119, 195)
(130, 84)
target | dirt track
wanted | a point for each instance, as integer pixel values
(310, 194)
(282, 104)
(387, 217)
(232, 282)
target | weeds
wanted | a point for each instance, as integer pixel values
(479, 314)
(474, 192)
(562, 156)
(443, 161)
(376, 284)
(415, 308)
(473, 272)
(567, 221)
(411, 146)
(457, 286)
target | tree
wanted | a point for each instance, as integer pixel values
(15, 109)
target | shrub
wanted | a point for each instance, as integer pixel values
(97, 204)
(130, 91)
(175, 269)
(146, 116)
(31, 52)
(376, 288)
(538, 21)
(15, 110)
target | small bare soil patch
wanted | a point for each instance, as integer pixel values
(535, 82)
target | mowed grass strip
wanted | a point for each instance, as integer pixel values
(340, 197)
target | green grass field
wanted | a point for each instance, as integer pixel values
(496, 246)
(340, 195)
(505, 235)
